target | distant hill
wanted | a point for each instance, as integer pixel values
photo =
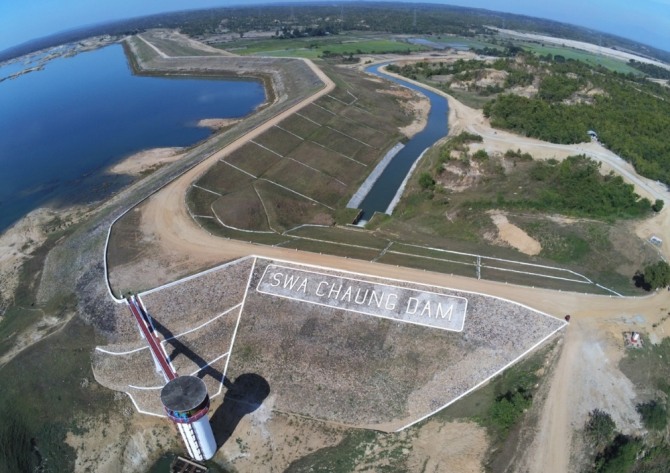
(372, 16)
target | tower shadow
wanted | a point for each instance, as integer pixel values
(243, 396)
(179, 348)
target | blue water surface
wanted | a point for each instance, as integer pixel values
(60, 128)
(384, 189)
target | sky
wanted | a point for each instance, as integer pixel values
(646, 21)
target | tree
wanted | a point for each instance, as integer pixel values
(658, 205)
(426, 181)
(600, 428)
(653, 415)
(657, 275)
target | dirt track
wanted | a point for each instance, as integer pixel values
(166, 217)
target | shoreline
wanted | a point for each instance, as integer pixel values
(145, 160)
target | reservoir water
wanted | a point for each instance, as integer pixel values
(61, 127)
(384, 189)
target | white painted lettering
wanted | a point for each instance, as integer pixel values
(276, 281)
(291, 281)
(426, 308)
(411, 309)
(448, 312)
(371, 297)
(303, 286)
(333, 291)
(318, 288)
(378, 300)
(391, 305)
(365, 296)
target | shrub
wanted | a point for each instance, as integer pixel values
(507, 410)
(657, 275)
(620, 456)
(426, 181)
(653, 415)
(600, 428)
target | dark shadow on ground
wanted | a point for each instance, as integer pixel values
(244, 396)
(180, 348)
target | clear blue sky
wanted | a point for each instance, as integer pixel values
(647, 21)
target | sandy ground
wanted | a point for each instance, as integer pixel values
(217, 123)
(146, 160)
(176, 36)
(17, 244)
(514, 236)
(456, 446)
(176, 235)
(417, 105)
(124, 442)
(166, 218)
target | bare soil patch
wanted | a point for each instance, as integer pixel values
(217, 124)
(146, 160)
(179, 235)
(454, 446)
(514, 236)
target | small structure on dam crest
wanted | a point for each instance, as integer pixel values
(186, 403)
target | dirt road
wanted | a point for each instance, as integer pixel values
(166, 219)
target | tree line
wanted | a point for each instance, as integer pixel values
(631, 116)
(574, 187)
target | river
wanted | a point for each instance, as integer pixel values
(385, 188)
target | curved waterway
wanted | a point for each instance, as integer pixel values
(386, 187)
(61, 127)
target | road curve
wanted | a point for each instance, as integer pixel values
(165, 215)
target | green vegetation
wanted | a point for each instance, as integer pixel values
(556, 88)
(619, 456)
(501, 406)
(628, 115)
(38, 406)
(600, 428)
(651, 70)
(560, 53)
(575, 187)
(321, 48)
(341, 458)
(426, 181)
(654, 415)
(449, 215)
(655, 276)
(616, 453)
(507, 409)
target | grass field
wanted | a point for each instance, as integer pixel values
(46, 389)
(313, 48)
(584, 56)
(241, 209)
(341, 235)
(224, 178)
(332, 249)
(286, 210)
(305, 168)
